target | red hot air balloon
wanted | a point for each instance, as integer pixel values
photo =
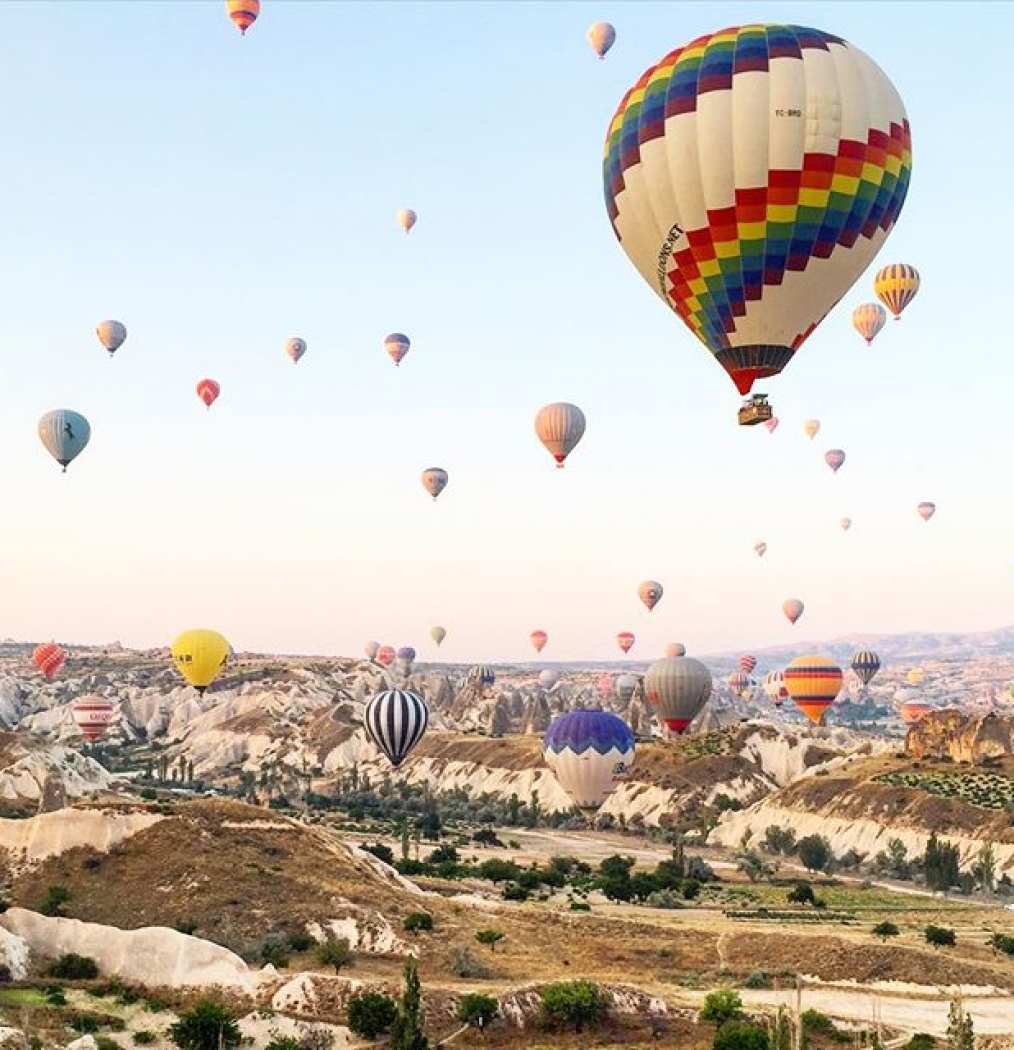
(49, 658)
(386, 655)
(747, 663)
(625, 640)
(92, 714)
(208, 391)
(539, 639)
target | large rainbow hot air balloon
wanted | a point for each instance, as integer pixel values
(590, 752)
(896, 286)
(813, 683)
(49, 658)
(751, 176)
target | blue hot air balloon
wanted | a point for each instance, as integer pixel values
(396, 721)
(65, 434)
(590, 751)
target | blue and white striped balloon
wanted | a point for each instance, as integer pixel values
(396, 721)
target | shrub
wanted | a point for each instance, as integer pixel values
(380, 851)
(416, 921)
(815, 1021)
(885, 929)
(86, 1024)
(371, 1014)
(721, 1006)
(300, 941)
(576, 905)
(443, 854)
(920, 1041)
(1002, 942)
(284, 1042)
(71, 967)
(56, 897)
(274, 950)
(210, 1025)
(499, 870)
(476, 1009)
(55, 997)
(738, 1035)
(513, 892)
(757, 979)
(464, 964)
(103, 1042)
(801, 893)
(575, 1004)
(144, 1037)
(336, 953)
(939, 935)
(490, 937)
(186, 926)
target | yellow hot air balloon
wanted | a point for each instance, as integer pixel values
(916, 676)
(813, 682)
(199, 656)
(896, 286)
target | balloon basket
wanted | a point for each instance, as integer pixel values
(755, 410)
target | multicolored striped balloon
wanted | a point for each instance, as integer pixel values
(751, 176)
(243, 13)
(868, 319)
(896, 286)
(813, 682)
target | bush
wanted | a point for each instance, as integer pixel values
(336, 953)
(300, 941)
(721, 1006)
(210, 1025)
(442, 855)
(1002, 942)
(815, 852)
(815, 1021)
(464, 964)
(274, 950)
(103, 1042)
(940, 935)
(757, 979)
(920, 1041)
(55, 997)
(476, 1009)
(499, 870)
(490, 938)
(416, 921)
(371, 1014)
(86, 1024)
(575, 1004)
(885, 929)
(576, 905)
(71, 967)
(513, 892)
(737, 1035)
(284, 1042)
(801, 893)
(144, 1037)
(56, 897)
(381, 852)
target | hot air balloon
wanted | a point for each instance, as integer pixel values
(49, 658)
(112, 335)
(548, 679)
(813, 683)
(868, 319)
(208, 391)
(793, 609)
(396, 721)
(834, 458)
(65, 434)
(438, 634)
(771, 424)
(560, 426)
(846, 524)
(739, 683)
(371, 649)
(625, 685)
(199, 655)
(760, 548)
(625, 640)
(896, 286)
(295, 348)
(811, 428)
(650, 592)
(483, 674)
(434, 480)
(865, 664)
(397, 346)
(675, 649)
(243, 12)
(407, 219)
(751, 177)
(604, 685)
(774, 687)
(926, 510)
(92, 715)
(913, 711)
(589, 752)
(747, 663)
(915, 676)
(677, 688)
(385, 655)
(539, 639)
(601, 36)
(406, 657)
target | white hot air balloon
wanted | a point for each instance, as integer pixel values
(407, 219)
(548, 679)
(295, 348)
(601, 37)
(560, 426)
(112, 335)
(434, 480)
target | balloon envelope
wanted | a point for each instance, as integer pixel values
(590, 752)
(200, 655)
(926, 510)
(438, 634)
(407, 219)
(560, 426)
(601, 36)
(434, 480)
(811, 428)
(747, 663)
(65, 434)
(396, 720)
(208, 391)
(625, 640)
(371, 649)
(677, 688)
(625, 686)
(385, 655)
(112, 335)
(92, 715)
(397, 346)
(896, 286)
(650, 592)
(675, 649)
(913, 711)
(793, 609)
(846, 524)
(49, 658)
(868, 319)
(865, 664)
(751, 177)
(760, 548)
(813, 683)
(771, 424)
(548, 678)
(834, 458)
(243, 13)
(539, 639)
(295, 348)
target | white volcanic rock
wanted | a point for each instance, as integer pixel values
(49, 834)
(13, 1039)
(25, 777)
(14, 954)
(152, 955)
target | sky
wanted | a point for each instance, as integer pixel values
(220, 194)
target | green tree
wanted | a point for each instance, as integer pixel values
(335, 952)
(56, 897)
(753, 865)
(1002, 942)
(984, 869)
(721, 1006)
(920, 1041)
(476, 1009)
(371, 1014)
(406, 1032)
(801, 893)
(416, 921)
(940, 935)
(960, 1033)
(210, 1025)
(574, 1004)
(71, 967)
(490, 938)
(497, 870)
(941, 864)
(815, 852)
(740, 1035)
(885, 929)
(779, 840)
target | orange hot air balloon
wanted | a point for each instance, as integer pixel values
(813, 682)
(539, 639)
(243, 12)
(92, 714)
(913, 711)
(625, 640)
(793, 609)
(49, 658)
(386, 655)
(208, 391)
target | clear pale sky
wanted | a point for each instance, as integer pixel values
(220, 194)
